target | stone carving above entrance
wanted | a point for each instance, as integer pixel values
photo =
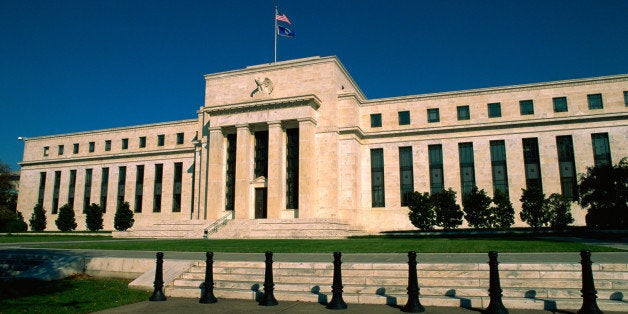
(264, 86)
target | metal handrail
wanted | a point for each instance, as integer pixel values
(213, 228)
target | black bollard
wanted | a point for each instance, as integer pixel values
(589, 294)
(268, 299)
(495, 290)
(158, 294)
(337, 303)
(207, 290)
(413, 305)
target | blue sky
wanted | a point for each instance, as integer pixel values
(77, 65)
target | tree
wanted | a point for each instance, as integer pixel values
(533, 211)
(65, 221)
(123, 219)
(8, 196)
(421, 210)
(604, 194)
(93, 217)
(559, 209)
(476, 211)
(502, 214)
(38, 218)
(448, 213)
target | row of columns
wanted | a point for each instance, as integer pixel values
(211, 170)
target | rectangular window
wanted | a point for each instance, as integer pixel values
(75, 148)
(406, 174)
(377, 177)
(42, 188)
(121, 185)
(626, 98)
(176, 189)
(376, 120)
(88, 189)
(125, 143)
(71, 187)
(433, 115)
(560, 104)
(498, 165)
(139, 188)
(526, 107)
(179, 138)
(55, 192)
(494, 110)
(46, 149)
(92, 146)
(601, 149)
(467, 168)
(292, 168)
(595, 101)
(159, 174)
(404, 117)
(532, 163)
(463, 113)
(435, 155)
(60, 150)
(567, 164)
(142, 141)
(232, 143)
(261, 154)
(161, 140)
(104, 188)
(107, 145)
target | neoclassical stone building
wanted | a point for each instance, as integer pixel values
(298, 141)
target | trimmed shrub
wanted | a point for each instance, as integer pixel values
(533, 211)
(476, 208)
(502, 214)
(66, 220)
(123, 219)
(93, 217)
(559, 209)
(38, 218)
(604, 194)
(448, 213)
(421, 212)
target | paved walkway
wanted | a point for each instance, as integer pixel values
(191, 306)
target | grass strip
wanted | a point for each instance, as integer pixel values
(81, 294)
(352, 245)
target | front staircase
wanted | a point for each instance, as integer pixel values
(297, 228)
(531, 286)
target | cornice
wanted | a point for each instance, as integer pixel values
(266, 104)
(118, 129)
(108, 157)
(360, 134)
(496, 90)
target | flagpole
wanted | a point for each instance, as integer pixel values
(275, 18)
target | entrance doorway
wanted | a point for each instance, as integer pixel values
(260, 203)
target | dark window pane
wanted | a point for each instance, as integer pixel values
(376, 120)
(433, 115)
(435, 155)
(526, 107)
(377, 177)
(494, 110)
(463, 113)
(601, 149)
(595, 101)
(406, 173)
(560, 104)
(404, 117)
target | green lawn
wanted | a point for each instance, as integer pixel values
(74, 295)
(476, 244)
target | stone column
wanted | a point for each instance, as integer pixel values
(214, 194)
(244, 173)
(308, 186)
(276, 170)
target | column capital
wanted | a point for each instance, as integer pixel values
(275, 123)
(215, 129)
(307, 120)
(241, 126)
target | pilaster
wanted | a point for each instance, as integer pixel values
(308, 185)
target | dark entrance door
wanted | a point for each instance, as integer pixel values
(260, 203)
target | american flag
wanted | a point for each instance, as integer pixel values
(282, 17)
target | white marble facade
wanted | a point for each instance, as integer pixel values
(317, 97)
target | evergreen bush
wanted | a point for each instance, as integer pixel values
(502, 214)
(66, 220)
(123, 219)
(559, 209)
(476, 208)
(533, 209)
(421, 212)
(93, 217)
(604, 194)
(38, 218)
(448, 213)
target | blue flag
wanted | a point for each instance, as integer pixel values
(283, 31)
